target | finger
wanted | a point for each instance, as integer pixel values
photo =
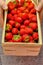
(39, 7)
(3, 5)
(1, 17)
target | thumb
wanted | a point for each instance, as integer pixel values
(3, 5)
(40, 5)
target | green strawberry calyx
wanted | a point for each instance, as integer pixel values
(16, 37)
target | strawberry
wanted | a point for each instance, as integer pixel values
(10, 40)
(24, 16)
(11, 6)
(21, 9)
(35, 36)
(26, 11)
(22, 31)
(18, 11)
(14, 31)
(11, 22)
(9, 16)
(29, 30)
(25, 38)
(33, 26)
(8, 36)
(18, 19)
(31, 38)
(22, 27)
(31, 5)
(17, 38)
(31, 41)
(14, 11)
(33, 17)
(33, 11)
(22, 1)
(8, 27)
(15, 16)
(26, 22)
(17, 25)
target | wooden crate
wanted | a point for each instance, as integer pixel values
(22, 49)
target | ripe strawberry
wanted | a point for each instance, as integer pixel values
(18, 11)
(25, 38)
(26, 22)
(22, 31)
(31, 38)
(10, 41)
(33, 26)
(8, 27)
(33, 11)
(8, 36)
(18, 19)
(22, 1)
(17, 38)
(14, 11)
(29, 30)
(9, 16)
(11, 22)
(34, 18)
(14, 31)
(24, 16)
(35, 36)
(31, 5)
(11, 6)
(15, 16)
(26, 11)
(21, 9)
(31, 41)
(22, 27)
(17, 25)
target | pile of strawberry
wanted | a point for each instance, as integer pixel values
(21, 23)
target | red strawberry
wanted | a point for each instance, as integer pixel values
(31, 41)
(14, 31)
(33, 26)
(29, 30)
(22, 27)
(14, 11)
(22, 31)
(31, 38)
(31, 5)
(11, 22)
(22, 1)
(8, 27)
(11, 6)
(9, 16)
(10, 41)
(21, 9)
(34, 18)
(25, 38)
(15, 16)
(24, 16)
(17, 38)
(33, 11)
(26, 11)
(18, 19)
(17, 25)
(8, 36)
(26, 22)
(18, 11)
(35, 36)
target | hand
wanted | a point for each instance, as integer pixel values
(3, 6)
(40, 9)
